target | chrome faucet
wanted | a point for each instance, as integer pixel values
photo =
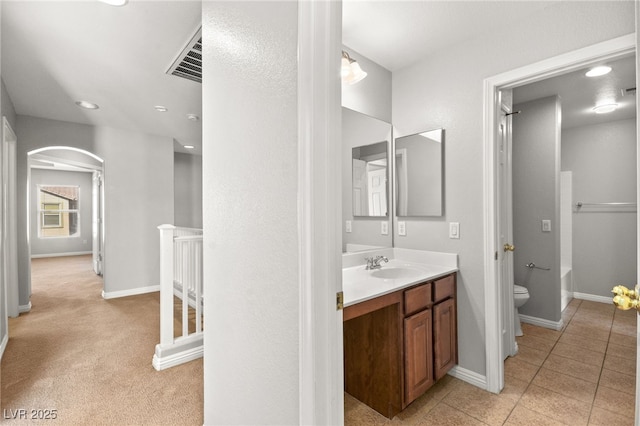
(374, 262)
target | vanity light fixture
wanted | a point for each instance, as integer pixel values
(350, 71)
(161, 108)
(115, 2)
(87, 105)
(598, 71)
(605, 108)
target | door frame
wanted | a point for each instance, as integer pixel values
(547, 68)
(9, 219)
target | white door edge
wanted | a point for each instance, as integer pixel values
(319, 212)
(560, 64)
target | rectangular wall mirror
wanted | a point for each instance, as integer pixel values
(419, 174)
(366, 196)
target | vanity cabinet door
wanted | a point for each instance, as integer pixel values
(418, 358)
(445, 339)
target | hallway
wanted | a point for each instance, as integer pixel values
(89, 358)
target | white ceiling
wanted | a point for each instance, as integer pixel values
(54, 53)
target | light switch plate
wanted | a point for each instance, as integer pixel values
(402, 228)
(546, 225)
(347, 226)
(454, 230)
(384, 228)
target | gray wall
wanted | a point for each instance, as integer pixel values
(371, 96)
(445, 90)
(187, 182)
(77, 244)
(4, 106)
(358, 130)
(8, 109)
(536, 196)
(603, 161)
(138, 191)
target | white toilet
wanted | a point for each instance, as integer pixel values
(520, 297)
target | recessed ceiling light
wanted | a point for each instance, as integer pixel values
(161, 108)
(598, 71)
(115, 2)
(603, 109)
(193, 117)
(189, 146)
(87, 105)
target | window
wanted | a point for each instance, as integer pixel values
(58, 211)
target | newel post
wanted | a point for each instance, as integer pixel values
(166, 284)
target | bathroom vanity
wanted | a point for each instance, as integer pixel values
(401, 337)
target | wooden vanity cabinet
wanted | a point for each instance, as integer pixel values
(430, 338)
(398, 345)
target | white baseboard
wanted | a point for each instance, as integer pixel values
(593, 298)
(554, 325)
(23, 309)
(168, 361)
(130, 292)
(469, 376)
(3, 345)
(71, 253)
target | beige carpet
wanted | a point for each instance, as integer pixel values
(89, 358)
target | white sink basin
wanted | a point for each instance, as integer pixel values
(395, 273)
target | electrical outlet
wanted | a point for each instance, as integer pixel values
(347, 226)
(454, 230)
(402, 228)
(384, 228)
(546, 225)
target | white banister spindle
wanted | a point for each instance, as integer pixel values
(181, 277)
(166, 283)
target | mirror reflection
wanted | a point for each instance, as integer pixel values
(369, 179)
(418, 174)
(366, 200)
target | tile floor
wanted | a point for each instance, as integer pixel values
(582, 375)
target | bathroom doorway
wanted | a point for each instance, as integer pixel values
(498, 300)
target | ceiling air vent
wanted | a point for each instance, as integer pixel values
(189, 63)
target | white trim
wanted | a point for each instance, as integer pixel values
(592, 297)
(71, 148)
(3, 345)
(541, 322)
(23, 309)
(70, 253)
(537, 71)
(320, 267)
(181, 351)
(469, 376)
(130, 292)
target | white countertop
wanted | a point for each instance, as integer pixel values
(407, 267)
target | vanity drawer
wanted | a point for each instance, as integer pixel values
(444, 287)
(417, 298)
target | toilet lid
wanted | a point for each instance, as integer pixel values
(518, 289)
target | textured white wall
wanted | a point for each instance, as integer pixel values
(187, 181)
(138, 179)
(603, 161)
(250, 213)
(536, 196)
(445, 90)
